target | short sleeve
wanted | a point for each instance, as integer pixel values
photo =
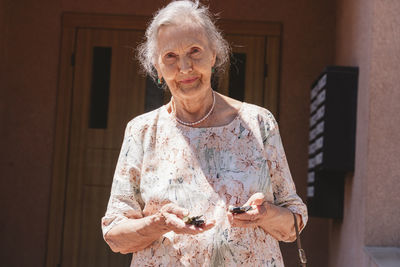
(283, 186)
(125, 201)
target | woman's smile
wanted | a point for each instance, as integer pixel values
(189, 80)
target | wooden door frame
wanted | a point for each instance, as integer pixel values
(71, 22)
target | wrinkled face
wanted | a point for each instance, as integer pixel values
(184, 60)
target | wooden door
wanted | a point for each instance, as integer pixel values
(107, 93)
(244, 79)
(253, 73)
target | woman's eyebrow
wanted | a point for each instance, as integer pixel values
(197, 44)
(173, 50)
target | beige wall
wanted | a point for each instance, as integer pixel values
(29, 80)
(368, 36)
(353, 37)
(384, 147)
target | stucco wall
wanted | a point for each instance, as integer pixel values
(353, 42)
(383, 202)
(33, 33)
(368, 36)
(29, 81)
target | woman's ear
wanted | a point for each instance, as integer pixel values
(159, 75)
(214, 59)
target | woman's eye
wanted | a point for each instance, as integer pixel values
(170, 55)
(195, 50)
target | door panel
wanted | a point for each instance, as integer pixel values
(99, 170)
(93, 250)
(94, 147)
(251, 49)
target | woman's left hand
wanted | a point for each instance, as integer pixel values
(253, 217)
(276, 221)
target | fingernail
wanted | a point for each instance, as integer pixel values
(185, 212)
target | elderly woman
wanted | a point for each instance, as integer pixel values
(196, 156)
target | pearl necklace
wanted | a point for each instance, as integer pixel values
(196, 122)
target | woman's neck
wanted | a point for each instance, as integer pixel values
(193, 109)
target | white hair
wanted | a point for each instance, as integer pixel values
(181, 13)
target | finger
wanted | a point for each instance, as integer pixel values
(239, 223)
(208, 225)
(175, 209)
(249, 215)
(186, 229)
(246, 217)
(204, 227)
(255, 199)
(230, 217)
(194, 230)
(173, 221)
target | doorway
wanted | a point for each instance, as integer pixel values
(105, 92)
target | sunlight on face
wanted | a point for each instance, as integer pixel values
(185, 59)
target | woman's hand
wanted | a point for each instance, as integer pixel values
(137, 234)
(171, 216)
(253, 217)
(274, 220)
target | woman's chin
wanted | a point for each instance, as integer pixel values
(188, 90)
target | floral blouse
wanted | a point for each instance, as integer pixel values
(203, 170)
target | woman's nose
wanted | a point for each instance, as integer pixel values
(185, 64)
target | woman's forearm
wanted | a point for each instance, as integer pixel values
(279, 223)
(136, 234)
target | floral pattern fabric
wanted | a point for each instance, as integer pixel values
(203, 170)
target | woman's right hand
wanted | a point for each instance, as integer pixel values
(171, 216)
(136, 234)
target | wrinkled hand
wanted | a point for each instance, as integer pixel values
(171, 215)
(253, 217)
